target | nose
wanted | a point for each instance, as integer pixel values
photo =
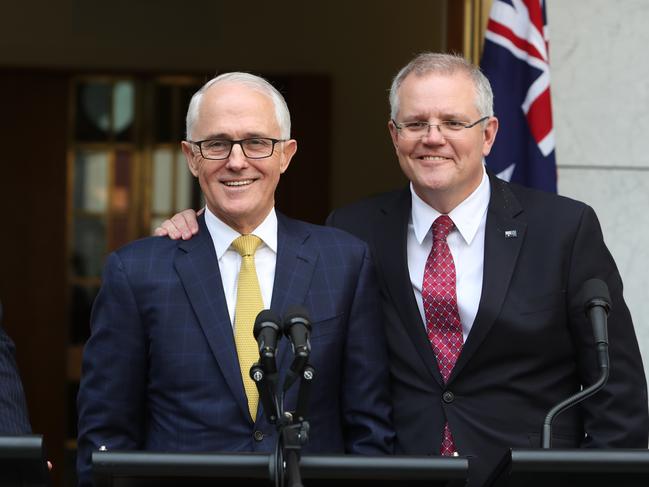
(237, 159)
(433, 135)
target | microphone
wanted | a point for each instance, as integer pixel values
(597, 303)
(297, 328)
(267, 333)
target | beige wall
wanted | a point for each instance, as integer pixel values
(359, 44)
(599, 74)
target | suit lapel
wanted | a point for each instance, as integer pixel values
(198, 269)
(392, 265)
(296, 260)
(504, 237)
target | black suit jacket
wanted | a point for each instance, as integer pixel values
(531, 344)
(13, 409)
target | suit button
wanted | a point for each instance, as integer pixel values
(258, 435)
(448, 397)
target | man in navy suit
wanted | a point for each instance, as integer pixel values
(13, 408)
(521, 258)
(160, 370)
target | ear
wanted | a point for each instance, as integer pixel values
(394, 134)
(191, 157)
(489, 135)
(288, 151)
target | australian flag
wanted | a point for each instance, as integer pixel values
(515, 59)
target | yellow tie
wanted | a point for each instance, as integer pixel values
(249, 304)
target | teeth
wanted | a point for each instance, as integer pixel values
(433, 158)
(238, 183)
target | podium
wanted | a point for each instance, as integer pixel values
(148, 469)
(22, 462)
(572, 468)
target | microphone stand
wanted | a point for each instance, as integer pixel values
(292, 428)
(293, 432)
(602, 359)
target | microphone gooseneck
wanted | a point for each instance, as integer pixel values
(597, 303)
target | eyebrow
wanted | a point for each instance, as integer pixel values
(246, 135)
(444, 116)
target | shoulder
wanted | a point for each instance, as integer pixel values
(359, 218)
(319, 234)
(149, 250)
(323, 240)
(537, 204)
(370, 205)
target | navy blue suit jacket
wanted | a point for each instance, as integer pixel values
(13, 408)
(160, 370)
(530, 346)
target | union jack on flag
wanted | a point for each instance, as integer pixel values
(516, 61)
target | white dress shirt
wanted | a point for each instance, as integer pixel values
(230, 260)
(466, 242)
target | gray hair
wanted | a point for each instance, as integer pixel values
(445, 64)
(258, 83)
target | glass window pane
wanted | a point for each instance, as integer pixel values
(93, 111)
(119, 231)
(91, 181)
(122, 181)
(186, 93)
(89, 246)
(184, 183)
(162, 174)
(123, 110)
(81, 299)
(155, 223)
(163, 114)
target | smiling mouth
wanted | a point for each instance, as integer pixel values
(433, 158)
(236, 184)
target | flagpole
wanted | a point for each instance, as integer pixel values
(476, 14)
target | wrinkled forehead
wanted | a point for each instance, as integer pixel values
(236, 107)
(437, 94)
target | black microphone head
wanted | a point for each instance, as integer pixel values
(296, 314)
(594, 292)
(265, 318)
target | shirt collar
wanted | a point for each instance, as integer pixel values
(223, 235)
(466, 216)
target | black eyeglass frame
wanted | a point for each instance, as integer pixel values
(199, 143)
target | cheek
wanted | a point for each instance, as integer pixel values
(406, 165)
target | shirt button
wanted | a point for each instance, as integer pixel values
(448, 397)
(258, 435)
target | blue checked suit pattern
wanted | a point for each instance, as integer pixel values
(160, 370)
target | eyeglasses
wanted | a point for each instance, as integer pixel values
(450, 129)
(253, 148)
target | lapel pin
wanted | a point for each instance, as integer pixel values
(511, 234)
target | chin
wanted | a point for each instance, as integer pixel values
(436, 183)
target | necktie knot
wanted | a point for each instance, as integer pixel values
(442, 226)
(246, 245)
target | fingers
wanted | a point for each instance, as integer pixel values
(182, 225)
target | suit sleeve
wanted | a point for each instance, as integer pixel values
(13, 408)
(615, 417)
(366, 403)
(111, 394)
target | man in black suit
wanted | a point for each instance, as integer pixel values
(520, 259)
(13, 408)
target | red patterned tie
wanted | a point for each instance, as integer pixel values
(440, 307)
